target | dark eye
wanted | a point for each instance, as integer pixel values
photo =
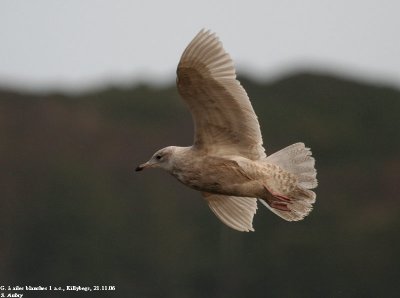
(158, 157)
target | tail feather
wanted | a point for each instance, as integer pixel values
(296, 159)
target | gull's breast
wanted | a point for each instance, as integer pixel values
(211, 174)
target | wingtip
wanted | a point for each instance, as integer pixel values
(205, 30)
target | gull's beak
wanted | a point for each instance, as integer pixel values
(142, 166)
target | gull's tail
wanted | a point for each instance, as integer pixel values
(296, 202)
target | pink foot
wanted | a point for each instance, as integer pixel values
(279, 206)
(279, 201)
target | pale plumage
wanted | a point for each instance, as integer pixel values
(227, 161)
(223, 116)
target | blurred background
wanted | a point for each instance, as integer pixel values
(87, 93)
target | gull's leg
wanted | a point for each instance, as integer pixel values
(277, 201)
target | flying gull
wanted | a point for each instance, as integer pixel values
(227, 162)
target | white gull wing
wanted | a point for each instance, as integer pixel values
(224, 120)
(236, 212)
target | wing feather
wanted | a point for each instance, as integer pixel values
(235, 212)
(225, 122)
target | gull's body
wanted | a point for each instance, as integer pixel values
(227, 161)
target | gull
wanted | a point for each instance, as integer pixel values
(227, 162)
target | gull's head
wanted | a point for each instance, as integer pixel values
(161, 159)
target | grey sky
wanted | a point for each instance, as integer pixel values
(74, 44)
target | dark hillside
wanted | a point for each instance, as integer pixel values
(73, 212)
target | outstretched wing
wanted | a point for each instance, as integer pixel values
(225, 122)
(236, 212)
